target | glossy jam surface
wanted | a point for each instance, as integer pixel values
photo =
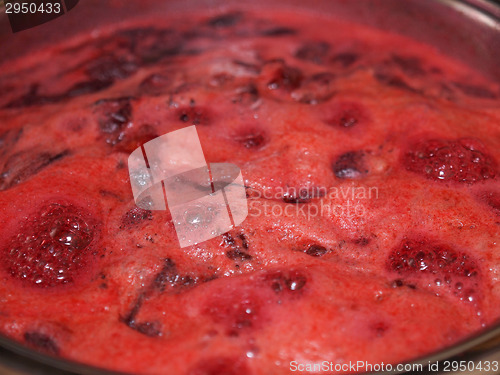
(371, 168)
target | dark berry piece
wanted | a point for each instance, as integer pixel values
(290, 281)
(398, 283)
(167, 280)
(8, 139)
(395, 81)
(87, 87)
(253, 139)
(244, 241)
(345, 59)
(462, 160)
(41, 342)
(435, 266)
(154, 84)
(221, 79)
(316, 89)
(109, 68)
(167, 276)
(117, 128)
(248, 94)
(129, 319)
(302, 197)
(345, 115)
(316, 250)
(350, 165)
(315, 52)
(151, 329)
(238, 255)
(279, 31)
(135, 216)
(32, 98)
(286, 78)
(380, 328)
(53, 248)
(492, 199)
(238, 313)
(135, 136)
(25, 164)
(28, 99)
(194, 115)
(238, 247)
(410, 65)
(225, 20)
(114, 115)
(475, 90)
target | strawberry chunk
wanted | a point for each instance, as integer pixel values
(463, 160)
(52, 249)
(435, 266)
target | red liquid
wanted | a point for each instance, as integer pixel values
(371, 166)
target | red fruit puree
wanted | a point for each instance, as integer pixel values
(371, 169)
